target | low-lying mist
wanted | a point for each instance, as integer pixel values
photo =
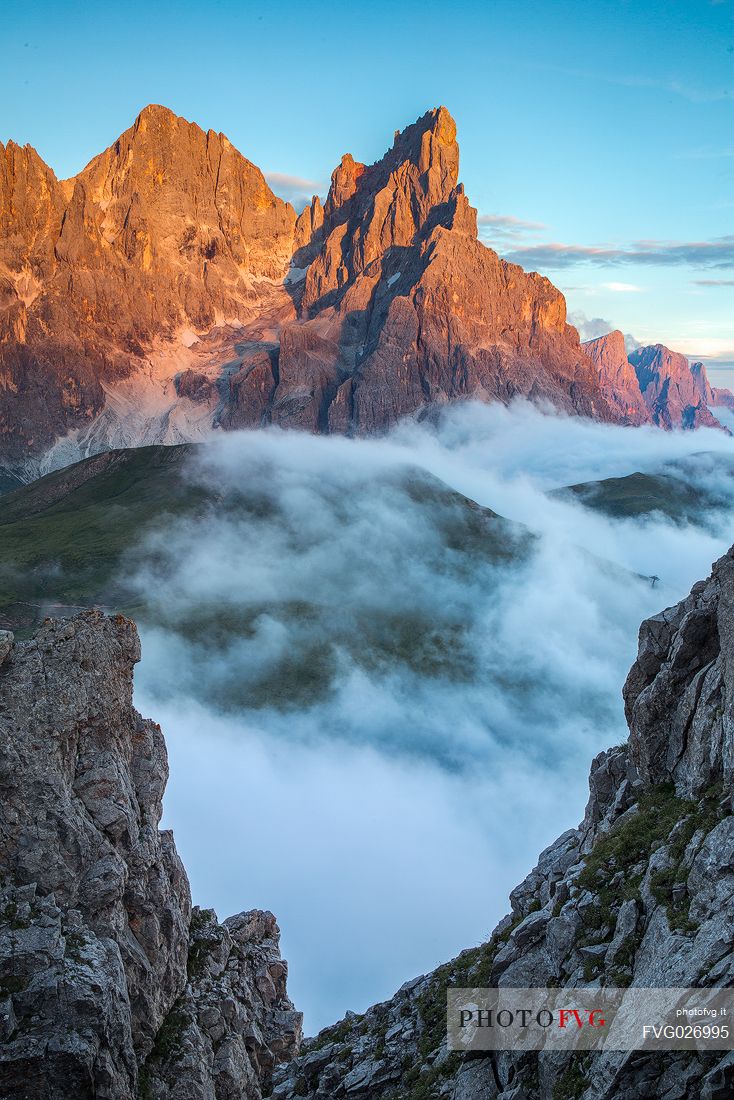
(380, 700)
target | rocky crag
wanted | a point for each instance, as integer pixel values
(656, 385)
(110, 986)
(166, 290)
(404, 308)
(641, 893)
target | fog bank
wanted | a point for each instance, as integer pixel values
(381, 702)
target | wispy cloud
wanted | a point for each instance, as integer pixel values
(506, 226)
(295, 189)
(517, 240)
(589, 328)
(714, 282)
(422, 686)
(715, 253)
(705, 347)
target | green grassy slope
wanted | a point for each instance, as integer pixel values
(691, 490)
(62, 538)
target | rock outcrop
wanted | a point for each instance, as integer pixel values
(641, 894)
(617, 376)
(655, 385)
(403, 308)
(717, 396)
(96, 932)
(671, 392)
(165, 291)
(233, 1023)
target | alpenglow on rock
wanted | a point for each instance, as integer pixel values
(109, 987)
(165, 290)
(656, 385)
(640, 894)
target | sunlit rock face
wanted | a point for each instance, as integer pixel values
(109, 277)
(107, 983)
(671, 391)
(169, 256)
(617, 376)
(655, 385)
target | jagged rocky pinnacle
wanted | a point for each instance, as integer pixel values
(109, 986)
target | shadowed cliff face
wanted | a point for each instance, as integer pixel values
(107, 981)
(671, 391)
(166, 290)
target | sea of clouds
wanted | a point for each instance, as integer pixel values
(401, 708)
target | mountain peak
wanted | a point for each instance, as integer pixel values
(156, 123)
(430, 143)
(671, 389)
(617, 376)
(155, 110)
(343, 183)
(701, 378)
(610, 342)
(660, 359)
(443, 125)
(654, 383)
(437, 120)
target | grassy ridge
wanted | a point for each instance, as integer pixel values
(63, 537)
(691, 490)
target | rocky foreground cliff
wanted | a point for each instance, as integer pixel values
(165, 291)
(641, 893)
(110, 985)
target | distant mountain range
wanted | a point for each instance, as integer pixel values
(166, 290)
(656, 385)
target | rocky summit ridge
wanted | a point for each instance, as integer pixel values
(165, 291)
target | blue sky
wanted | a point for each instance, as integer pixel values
(597, 137)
